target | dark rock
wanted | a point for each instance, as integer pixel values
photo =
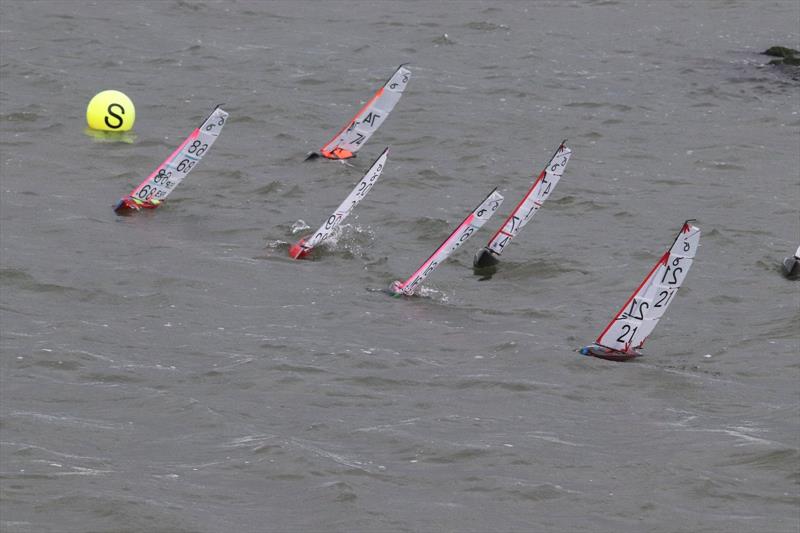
(788, 59)
(782, 51)
(794, 61)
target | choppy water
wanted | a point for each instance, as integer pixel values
(177, 372)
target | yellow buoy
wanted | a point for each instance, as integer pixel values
(110, 111)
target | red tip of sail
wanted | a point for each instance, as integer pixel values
(296, 251)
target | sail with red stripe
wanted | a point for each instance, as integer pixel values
(369, 118)
(304, 246)
(158, 185)
(630, 327)
(474, 221)
(533, 200)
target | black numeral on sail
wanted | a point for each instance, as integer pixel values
(370, 118)
(627, 330)
(675, 271)
(220, 122)
(330, 222)
(394, 84)
(185, 165)
(197, 148)
(429, 269)
(643, 306)
(149, 192)
(162, 178)
(544, 191)
(664, 297)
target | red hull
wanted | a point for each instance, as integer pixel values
(608, 354)
(337, 153)
(128, 206)
(296, 251)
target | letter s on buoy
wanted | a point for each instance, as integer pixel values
(119, 120)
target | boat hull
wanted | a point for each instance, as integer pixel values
(395, 289)
(791, 267)
(484, 258)
(337, 154)
(297, 251)
(607, 354)
(128, 206)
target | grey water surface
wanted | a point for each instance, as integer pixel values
(175, 371)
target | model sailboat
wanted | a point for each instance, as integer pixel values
(474, 221)
(158, 185)
(369, 118)
(628, 330)
(522, 214)
(304, 246)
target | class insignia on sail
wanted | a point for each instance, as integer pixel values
(527, 207)
(158, 185)
(628, 330)
(304, 246)
(474, 221)
(352, 137)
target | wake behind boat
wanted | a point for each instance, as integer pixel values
(303, 247)
(628, 330)
(522, 214)
(474, 221)
(369, 118)
(158, 185)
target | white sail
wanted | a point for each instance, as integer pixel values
(344, 209)
(632, 325)
(368, 119)
(533, 200)
(474, 221)
(158, 185)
